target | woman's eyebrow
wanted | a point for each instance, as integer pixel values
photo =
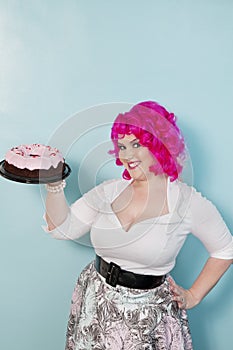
(134, 140)
(119, 143)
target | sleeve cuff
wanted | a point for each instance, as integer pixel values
(225, 253)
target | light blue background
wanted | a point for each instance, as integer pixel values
(60, 57)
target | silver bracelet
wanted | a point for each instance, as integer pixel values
(56, 188)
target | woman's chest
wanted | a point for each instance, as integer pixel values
(132, 208)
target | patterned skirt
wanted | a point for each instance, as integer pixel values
(103, 317)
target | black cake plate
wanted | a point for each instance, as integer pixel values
(38, 180)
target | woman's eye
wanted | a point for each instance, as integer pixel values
(136, 145)
(121, 147)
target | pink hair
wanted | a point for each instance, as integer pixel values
(156, 129)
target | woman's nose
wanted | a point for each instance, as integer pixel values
(129, 154)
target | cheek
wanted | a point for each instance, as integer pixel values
(148, 157)
(120, 156)
(144, 152)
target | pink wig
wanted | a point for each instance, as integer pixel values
(156, 129)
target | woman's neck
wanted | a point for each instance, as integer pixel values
(151, 182)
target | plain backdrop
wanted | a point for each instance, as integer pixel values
(61, 57)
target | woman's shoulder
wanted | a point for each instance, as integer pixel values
(186, 196)
(187, 188)
(198, 202)
(113, 186)
(106, 188)
(110, 183)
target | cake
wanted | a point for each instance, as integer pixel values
(34, 161)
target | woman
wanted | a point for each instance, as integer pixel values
(126, 299)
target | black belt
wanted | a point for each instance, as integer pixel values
(115, 275)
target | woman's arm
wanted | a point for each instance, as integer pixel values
(71, 222)
(57, 208)
(207, 279)
(208, 226)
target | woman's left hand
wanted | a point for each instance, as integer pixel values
(184, 297)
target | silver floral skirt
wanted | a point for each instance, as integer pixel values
(103, 317)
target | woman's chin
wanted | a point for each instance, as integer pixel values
(137, 174)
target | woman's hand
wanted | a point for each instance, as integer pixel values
(184, 297)
(207, 279)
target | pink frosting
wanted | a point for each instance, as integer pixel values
(35, 156)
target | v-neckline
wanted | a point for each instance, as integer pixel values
(144, 220)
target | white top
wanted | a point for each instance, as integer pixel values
(150, 246)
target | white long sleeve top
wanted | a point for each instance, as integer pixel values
(152, 245)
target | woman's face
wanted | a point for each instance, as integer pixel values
(136, 158)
